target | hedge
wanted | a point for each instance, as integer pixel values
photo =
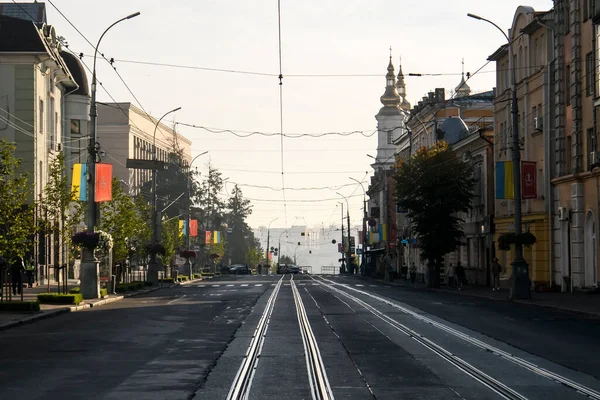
(129, 287)
(197, 276)
(182, 278)
(75, 290)
(20, 306)
(56, 298)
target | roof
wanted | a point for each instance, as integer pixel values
(77, 71)
(32, 12)
(19, 36)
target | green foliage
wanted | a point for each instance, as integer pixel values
(129, 287)
(103, 293)
(166, 280)
(123, 218)
(197, 276)
(209, 207)
(16, 217)
(435, 187)
(285, 260)
(75, 290)
(506, 239)
(56, 298)
(241, 239)
(182, 278)
(21, 306)
(172, 240)
(61, 213)
(252, 257)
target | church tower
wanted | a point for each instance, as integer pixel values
(390, 119)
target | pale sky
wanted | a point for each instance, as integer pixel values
(318, 37)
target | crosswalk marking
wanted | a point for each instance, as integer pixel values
(359, 284)
(201, 286)
(244, 284)
(258, 284)
(216, 285)
(230, 285)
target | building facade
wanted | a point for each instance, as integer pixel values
(126, 132)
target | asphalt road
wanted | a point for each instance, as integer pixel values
(189, 342)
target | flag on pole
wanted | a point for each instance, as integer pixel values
(194, 228)
(103, 182)
(183, 227)
(79, 182)
(505, 188)
(217, 237)
(208, 237)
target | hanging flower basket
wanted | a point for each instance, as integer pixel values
(89, 240)
(214, 256)
(105, 241)
(188, 254)
(506, 239)
(154, 248)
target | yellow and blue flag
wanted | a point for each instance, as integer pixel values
(505, 187)
(79, 182)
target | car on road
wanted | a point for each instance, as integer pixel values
(288, 269)
(239, 269)
(293, 269)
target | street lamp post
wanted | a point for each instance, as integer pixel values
(189, 211)
(364, 224)
(269, 239)
(90, 288)
(519, 285)
(349, 255)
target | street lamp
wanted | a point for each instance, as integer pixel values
(364, 224)
(519, 285)
(154, 197)
(348, 260)
(269, 238)
(89, 266)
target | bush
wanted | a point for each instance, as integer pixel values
(56, 298)
(182, 278)
(30, 306)
(129, 287)
(166, 280)
(75, 290)
(103, 293)
(197, 276)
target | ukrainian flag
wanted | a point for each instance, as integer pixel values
(505, 188)
(79, 182)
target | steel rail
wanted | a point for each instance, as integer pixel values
(563, 380)
(495, 385)
(242, 382)
(317, 375)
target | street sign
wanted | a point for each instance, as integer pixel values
(135, 163)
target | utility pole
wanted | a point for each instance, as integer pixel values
(343, 243)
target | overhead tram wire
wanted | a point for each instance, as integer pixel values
(111, 63)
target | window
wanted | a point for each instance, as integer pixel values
(75, 127)
(390, 137)
(591, 143)
(51, 123)
(41, 116)
(533, 116)
(589, 74)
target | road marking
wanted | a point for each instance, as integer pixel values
(286, 284)
(244, 284)
(273, 284)
(177, 299)
(316, 284)
(216, 285)
(201, 286)
(258, 284)
(301, 284)
(230, 285)
(358, 284)
(373, 285)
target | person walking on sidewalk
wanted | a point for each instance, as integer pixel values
(413, 273)
(460, 275)
(450, 275)
(496, 268)
(29, 271)
(16, 269)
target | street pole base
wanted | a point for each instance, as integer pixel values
(153, 268)
(519, 281)
(90, 285)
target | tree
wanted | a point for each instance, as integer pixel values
(285, 260)
(171, 239)
(123, 219)
(16, 217)
(241, 237)
(61, 212)
(209, 207)
(435, 187)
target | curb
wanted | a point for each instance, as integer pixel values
(189, 282)
(42, 315)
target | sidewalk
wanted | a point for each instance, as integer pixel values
(575, 302)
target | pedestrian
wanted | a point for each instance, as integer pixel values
(450, 275)
(413, 273)
(29, 271)
(496, 268)
(460, 275)
(16, 269)
(404, 272)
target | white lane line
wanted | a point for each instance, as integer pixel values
(216, 285)
(201, 286)
(301, 284)
(244, 284)
(258, 284)
(316, 284)
(273, 284)
(358, 284)
(230, 285)
(177, 299)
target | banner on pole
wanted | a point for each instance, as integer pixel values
(529, 179)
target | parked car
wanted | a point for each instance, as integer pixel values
(282, 269)
(224, 269)
(239, 269)
(293, 269)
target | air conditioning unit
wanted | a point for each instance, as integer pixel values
(563, 213)
(538, 123)
(594, 158)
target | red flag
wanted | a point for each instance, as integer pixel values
(208, 237)
(528, 180)
(103, 182)
(194, 227)
(270, 255)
